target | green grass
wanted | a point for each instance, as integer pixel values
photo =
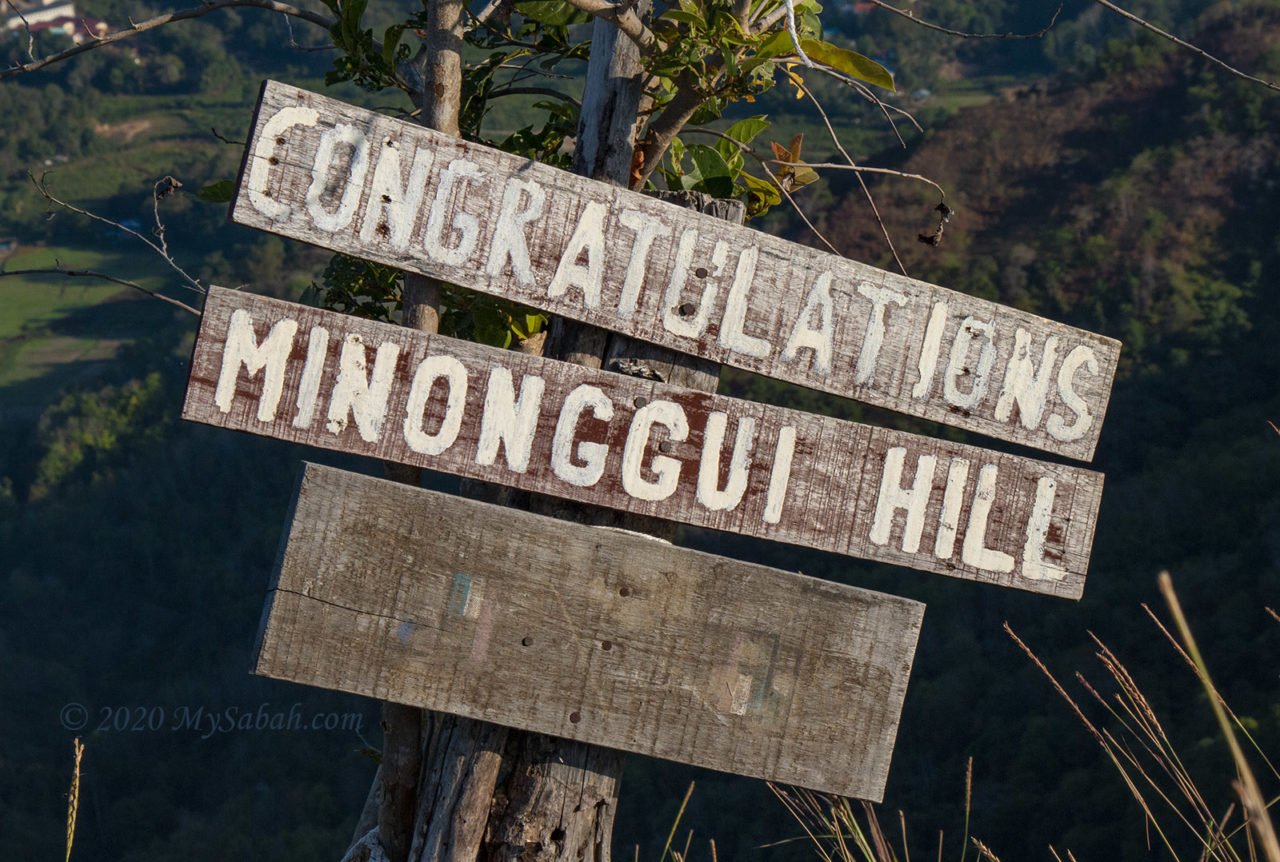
(56, 330)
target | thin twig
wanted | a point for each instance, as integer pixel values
(862, 169)
(910, 16)
(192, 282)
(624, 17)
(26, 25)
(534, 91)
(1192, 48)
(484, 14)
(225, 140)
(835, 139)
(135, 28)
(88, 273)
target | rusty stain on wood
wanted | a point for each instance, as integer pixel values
(388, 191)
(338, 382)
(588, 633)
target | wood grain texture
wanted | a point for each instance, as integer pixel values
(338, 382)
(587, 633)
(381, 189)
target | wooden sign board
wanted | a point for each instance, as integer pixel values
(588, 633)
(393, 192)
(340, 382)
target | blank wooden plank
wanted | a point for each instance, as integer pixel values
(588, 633)
(339, 382)
(393, 192)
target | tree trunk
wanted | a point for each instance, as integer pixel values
(461, 790)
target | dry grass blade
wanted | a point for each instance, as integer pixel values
(1214, 691)
(666, 848)
(1098, 737)
(984, 852)
(1255, 805)
(1156, 743)
(73, 797)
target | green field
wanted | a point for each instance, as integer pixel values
(56, 331)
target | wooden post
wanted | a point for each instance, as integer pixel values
(558, 797)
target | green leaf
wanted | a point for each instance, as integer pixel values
(219, 192)
(390, 42)
(762, 188)
(693, 19)
(745, 131)
(709, 162)
(352, 12)
(775, 46)
(851, 63)
(552, 13)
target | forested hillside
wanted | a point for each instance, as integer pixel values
(1099, 176)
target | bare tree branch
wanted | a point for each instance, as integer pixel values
(534, 91)
(1192, 48)
(624, 17)
(911, 16)
(159, 21)
(835, 139)
(782, 189)
(26, 25)
(89, 273)
(863, 169)
(192, 282)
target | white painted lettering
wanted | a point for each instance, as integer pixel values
(312, 371)
(592, 455)
(1057, 427)
(873, 340)
(974, 550)
(732, 335)
(1034, 565)
(709, 493)
(930, 349)
(970, 330)
(393, 203)
(780, 477)
(453, 183)
(361, 394)
(350, 174)
(647, 228)
(671, 416)
(431, 369)
(1023, 384)
(264, 148)
(675, 316)
(241, 348)
(893, 496)
(509, 421)
(952, 502)
(820, 340)
(587, 237)
(522, 202)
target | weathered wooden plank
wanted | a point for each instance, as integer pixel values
(339, 382)
(589, 633)
(381, 189)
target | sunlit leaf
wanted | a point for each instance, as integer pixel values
(851, 63)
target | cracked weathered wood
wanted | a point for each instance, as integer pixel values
(339, 382)
(389, 191)
(587, 633)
